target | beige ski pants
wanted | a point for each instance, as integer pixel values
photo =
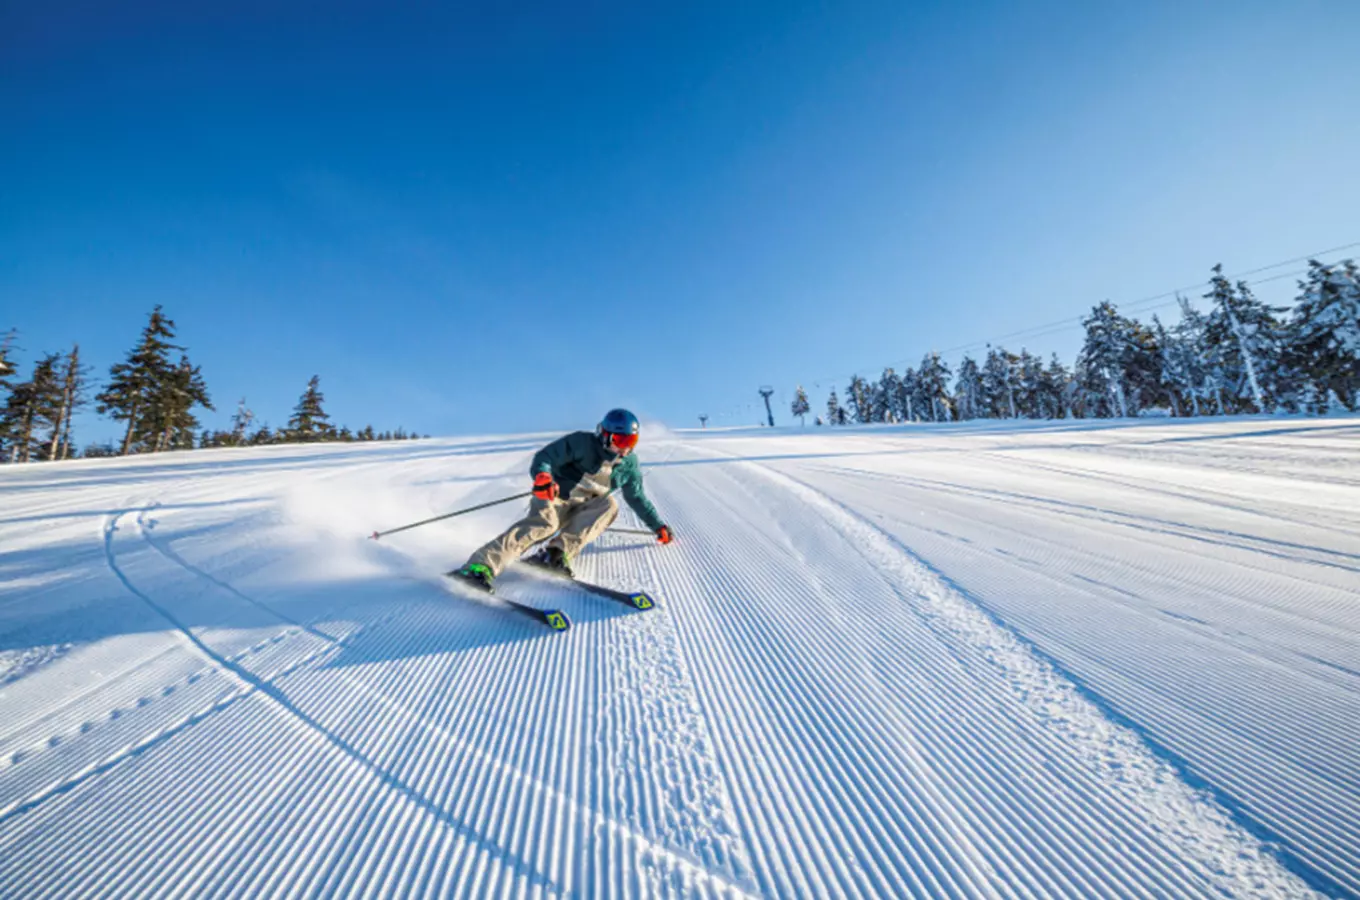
(575, 522)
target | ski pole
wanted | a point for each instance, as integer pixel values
(631, 531)
(377, 534)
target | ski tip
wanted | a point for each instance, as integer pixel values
(641, 600)
(556, 619)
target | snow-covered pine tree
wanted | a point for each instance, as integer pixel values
(1175, 369)
(1118, 362)
(888, 397)
(968, 390)
(1202, 363)
(834, 415)
(1030, 400)
(800, 406)
(998, 384)
(909, 401)
(1245, 336)
(1102, 358)
(933, 376)
(860, 399)
(1323, 335)
(1263, 330)
(1058, 389)
(309, 421)
(136, 384)
(240, 423)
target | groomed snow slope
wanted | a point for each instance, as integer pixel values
(1076, 660)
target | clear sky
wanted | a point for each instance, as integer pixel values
(471, 221)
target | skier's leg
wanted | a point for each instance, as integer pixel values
(584, 523)
(538, 525)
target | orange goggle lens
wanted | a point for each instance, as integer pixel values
(623, 441)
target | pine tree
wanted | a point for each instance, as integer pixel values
(1246, 338)
(170, 422)
(933, 378)
(1119, 360)
(909, 401)
(30, 406)
(7, 384)
(1175, 369)
(998, 384)
(968, 390)
(887, 398)
(1059, 389)
(1202, 362)
(137, 385)
(861, 401)
(834, 414)
(1324, 333)
(1102, 359)
(309, 421)
(240, 423)
(1030, 399)
(7, 368)
(73, 383)
(800, 406)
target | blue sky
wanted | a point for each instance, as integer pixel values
(469, 221)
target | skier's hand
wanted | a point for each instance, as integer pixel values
(664, 535)
(544, 486)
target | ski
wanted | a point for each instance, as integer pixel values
(555, 619)
(640, 600)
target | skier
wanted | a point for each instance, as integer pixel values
(575, 478)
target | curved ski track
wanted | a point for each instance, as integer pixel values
(812, 712)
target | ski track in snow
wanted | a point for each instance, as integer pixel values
(1104, 662)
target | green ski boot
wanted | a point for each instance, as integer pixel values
(477, 575)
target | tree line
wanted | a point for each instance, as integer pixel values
(154, 394)
(1241, 356)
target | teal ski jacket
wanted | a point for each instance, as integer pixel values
(572, 456)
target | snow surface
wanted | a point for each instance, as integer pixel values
(1057, 659)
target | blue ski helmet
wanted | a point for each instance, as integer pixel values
(618, 431)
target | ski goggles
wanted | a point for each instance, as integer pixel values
(622, 442)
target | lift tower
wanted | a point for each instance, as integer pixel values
(766, 391)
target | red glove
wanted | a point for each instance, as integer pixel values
(663, 534)
(544, 486)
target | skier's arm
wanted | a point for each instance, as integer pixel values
(637, 499)
(554, 456)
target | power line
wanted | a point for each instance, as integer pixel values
(1165, 298)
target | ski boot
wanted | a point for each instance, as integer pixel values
(477, 575)
(554, 560)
